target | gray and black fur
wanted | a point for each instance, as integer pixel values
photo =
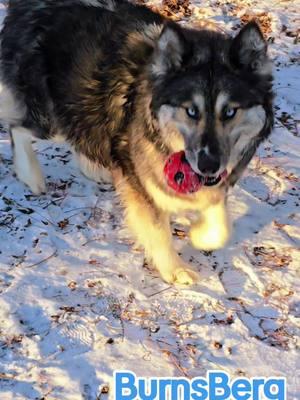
(117, 81)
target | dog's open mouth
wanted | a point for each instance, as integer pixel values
(183, 179)
(212, 180)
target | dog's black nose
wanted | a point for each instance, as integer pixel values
(208, 164)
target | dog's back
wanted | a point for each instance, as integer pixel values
(51, 49)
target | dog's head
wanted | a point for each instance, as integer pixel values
(212, 96)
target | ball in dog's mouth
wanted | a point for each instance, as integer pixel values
(183, 179)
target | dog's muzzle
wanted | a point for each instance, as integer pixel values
(208, 164)
(209, 168)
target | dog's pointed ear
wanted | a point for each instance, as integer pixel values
(249, 50)
(169, 50)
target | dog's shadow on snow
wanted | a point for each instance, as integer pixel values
(256, 207)
(259, 209)
(265, 200)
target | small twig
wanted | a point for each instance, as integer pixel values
(94, 240)
(172, 357)
(94, 210)
(282, 229)
(73, 215)
(190, 321)
(79, 208)
(44, 218)
(161, 291)
(7, 376)
(54, 201)
(42, 261)
(285, 87)
(47, 393)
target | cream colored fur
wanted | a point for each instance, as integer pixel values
(10, 110)
(92, 170)
(151, 228)
(26, 164)
(212, 231)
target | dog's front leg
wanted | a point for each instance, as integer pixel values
(212, 230)
(151, 228)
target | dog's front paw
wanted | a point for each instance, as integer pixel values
(183, 275)
(209, 236)
(186, 276)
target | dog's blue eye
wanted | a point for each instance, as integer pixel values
(229, 112)
(193, 112)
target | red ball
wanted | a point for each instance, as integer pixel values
(180, 175)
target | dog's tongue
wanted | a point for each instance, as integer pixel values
(180, 176)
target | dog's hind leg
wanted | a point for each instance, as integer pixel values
(151, 228)
(91, 170)
(26, 164)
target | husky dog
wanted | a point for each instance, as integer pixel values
(126, 88)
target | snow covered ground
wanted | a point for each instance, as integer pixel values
(77, 301)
